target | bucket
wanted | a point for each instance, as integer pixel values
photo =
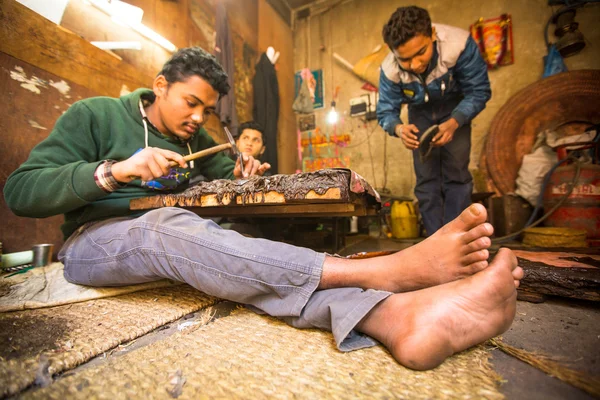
(581, 210)
(404, 220)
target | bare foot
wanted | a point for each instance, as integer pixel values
(459, 249)
(423, 328)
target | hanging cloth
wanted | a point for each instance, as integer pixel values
(553, 62)
(266, 107)
(224, 53)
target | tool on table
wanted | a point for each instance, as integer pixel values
(236, 151)
(425, 142)
(203, 153)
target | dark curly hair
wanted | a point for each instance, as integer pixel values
(404, 24)
(195, 61)
(251, 125)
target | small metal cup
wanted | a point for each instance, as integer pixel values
(42, 254)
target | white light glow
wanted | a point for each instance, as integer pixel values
(131, 16)
(118, 45)
(52, 10)
(150, 34)
(126, 12)
(332, 116)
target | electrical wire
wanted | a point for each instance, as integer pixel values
(372, 163)
(385, 163)
(369, 134)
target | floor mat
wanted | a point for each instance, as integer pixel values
(47, 287)
(247, 356)
(37, 344)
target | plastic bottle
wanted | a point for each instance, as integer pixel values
(404, 220)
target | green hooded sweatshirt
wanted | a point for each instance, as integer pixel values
(58, 176)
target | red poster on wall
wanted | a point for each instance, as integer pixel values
(494, 37)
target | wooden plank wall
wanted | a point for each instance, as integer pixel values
(30, 37)
(33, 99)
(32, 46)
(43, 69)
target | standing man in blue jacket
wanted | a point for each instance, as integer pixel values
(438, 72)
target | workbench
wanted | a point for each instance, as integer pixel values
(324, 194)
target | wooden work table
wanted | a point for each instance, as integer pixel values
(327, 193)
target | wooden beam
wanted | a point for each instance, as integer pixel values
(283, 9)
(286, 210)
(33, 39)
(576, 283)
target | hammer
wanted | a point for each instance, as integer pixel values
(203, 153)
(198, 154)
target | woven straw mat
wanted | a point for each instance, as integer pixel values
(247, 356)
(60, 338)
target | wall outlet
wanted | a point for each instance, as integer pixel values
(365, 104)
(358, 106)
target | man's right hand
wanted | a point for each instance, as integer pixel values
(148, 164)
(407, 134)
(252, 166)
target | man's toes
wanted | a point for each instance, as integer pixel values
(479, 231)
(476, 256)
(474, 215)
(506, 255)
(480, 243)
(518, 273)
(473, 268)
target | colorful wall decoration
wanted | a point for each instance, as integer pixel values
(319, 90)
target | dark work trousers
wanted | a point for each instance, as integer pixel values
(444, 183)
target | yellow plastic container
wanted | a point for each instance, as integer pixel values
(404, 220)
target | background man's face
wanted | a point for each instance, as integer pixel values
(250, 142)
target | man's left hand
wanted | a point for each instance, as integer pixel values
(446, 133)
(251, 167)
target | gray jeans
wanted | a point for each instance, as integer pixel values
(274, 278)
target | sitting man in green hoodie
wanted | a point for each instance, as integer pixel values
(423, 304)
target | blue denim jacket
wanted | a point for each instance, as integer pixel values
(456, 84)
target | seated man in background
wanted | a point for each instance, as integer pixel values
(250, 141)
(423, 304)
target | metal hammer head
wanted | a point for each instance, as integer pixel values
(236, 151)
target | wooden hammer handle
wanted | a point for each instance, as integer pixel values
(203, 153)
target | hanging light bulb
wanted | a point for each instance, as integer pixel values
(332, 116)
